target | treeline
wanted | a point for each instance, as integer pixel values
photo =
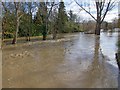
(28, 19)
(89, 26)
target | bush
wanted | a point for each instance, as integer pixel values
(8, 35)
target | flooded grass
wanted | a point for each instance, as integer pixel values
(71, 62)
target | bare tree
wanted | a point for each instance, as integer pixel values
(5, 8)
(55, 22)
(102, 7)
(46, 10)
(30, 11)
(18, 16)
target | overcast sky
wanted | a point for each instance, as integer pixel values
(71, 5)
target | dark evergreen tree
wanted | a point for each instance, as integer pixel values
(62, 17)
(71, 16)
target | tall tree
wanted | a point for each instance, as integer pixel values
(45, 13)
(62, 17)
(4, 19)
(55, 23)
(72, 17)
(30, 11)
(8, 20)
(18, 16)
(42, 10)
(102, 8)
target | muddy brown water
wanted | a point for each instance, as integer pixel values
(80, 62)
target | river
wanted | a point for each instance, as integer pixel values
(80, 61)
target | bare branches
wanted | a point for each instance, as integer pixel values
(103, 4)
(17, 9)
(17, 5)
(109, 7)
(100, 7)
(4, 7)
(50, 11)
(85, 10)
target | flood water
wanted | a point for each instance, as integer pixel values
(80, 61)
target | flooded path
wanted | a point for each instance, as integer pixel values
(85, 61)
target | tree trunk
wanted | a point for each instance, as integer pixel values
(2, 34)
(54, 34)
(44, 31)
(27, 37)
(44, 37)
(16, 32)
(55, 31)
(29, 34)
(98, 28)
(17, 5)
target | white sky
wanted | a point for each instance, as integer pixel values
(76, 9)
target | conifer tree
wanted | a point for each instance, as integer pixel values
(62, 17)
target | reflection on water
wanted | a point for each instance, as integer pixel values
(118, 54)
(108, 45)
(77, 63)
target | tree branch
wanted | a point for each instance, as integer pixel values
(86, 10)
(4, 7)
(51, 9)
(20, 16)
(107, 9)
